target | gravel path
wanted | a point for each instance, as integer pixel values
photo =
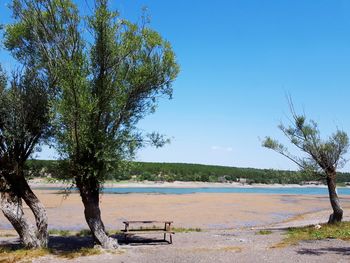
(223, 246)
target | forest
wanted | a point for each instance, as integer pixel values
(150, 171)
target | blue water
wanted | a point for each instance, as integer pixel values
(253, 190)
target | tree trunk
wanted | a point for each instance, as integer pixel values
(89, 192)
(11, 206)
(20, 187)
(337, 215)
(39, 212)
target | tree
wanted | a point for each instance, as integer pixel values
(323, 157)
(24, 123)
(104, 88)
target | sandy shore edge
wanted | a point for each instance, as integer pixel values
(43, 183)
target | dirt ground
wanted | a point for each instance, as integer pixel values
(205, 211)
(241, 245)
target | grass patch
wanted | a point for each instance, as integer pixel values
(80, 233)
(213, 249)
(58, 232)
(114, 232)
(11, 256)
(186, 230)
(8, 255)
(8, 235)
(264, 232)
(83, 233)
(297, 234)
(175, 229)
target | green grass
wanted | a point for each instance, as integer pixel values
(80, 233)
(264, 232)
(83, 233)
(58, 232)
(186, 230)
(335, 231)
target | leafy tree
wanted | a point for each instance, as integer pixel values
(103, 88)
(323, 157)
(24, 123)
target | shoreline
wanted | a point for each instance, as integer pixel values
(38, 183)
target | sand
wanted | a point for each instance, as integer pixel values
(200, 210)
(229, 224)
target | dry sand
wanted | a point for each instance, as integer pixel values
(206, 211)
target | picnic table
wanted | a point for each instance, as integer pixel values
(154, 229)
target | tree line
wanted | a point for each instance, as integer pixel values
(169, 172)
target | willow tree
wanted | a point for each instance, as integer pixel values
(105, 86)
(322, 157)
(24, 123)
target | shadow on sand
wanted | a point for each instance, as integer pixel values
(344, 251)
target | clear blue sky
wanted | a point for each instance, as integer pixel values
(238, 60)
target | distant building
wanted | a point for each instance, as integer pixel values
(245, 181)
(222, 179)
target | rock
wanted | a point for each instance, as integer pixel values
(317, 226)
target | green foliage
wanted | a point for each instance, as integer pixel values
(211, 173)
(24, 116)
(323, 157)
(264, 232)
(58, 232)
(185, 172)
(104, 85)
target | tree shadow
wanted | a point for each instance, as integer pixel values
(344, 251)
(11, 245)
(61, 245)
(64, 244)
(56, 245)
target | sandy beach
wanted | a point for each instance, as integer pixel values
(42, 183)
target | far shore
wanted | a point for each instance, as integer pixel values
(44, 183)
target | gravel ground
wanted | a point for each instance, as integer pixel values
(243, 245)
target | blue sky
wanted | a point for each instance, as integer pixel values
(238, 61)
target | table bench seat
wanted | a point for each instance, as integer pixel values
(154, 230)
(147, 231)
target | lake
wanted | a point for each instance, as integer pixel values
(251, 190)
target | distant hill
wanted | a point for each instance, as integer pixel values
(184, 172)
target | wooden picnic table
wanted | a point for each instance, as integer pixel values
(148, 230)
